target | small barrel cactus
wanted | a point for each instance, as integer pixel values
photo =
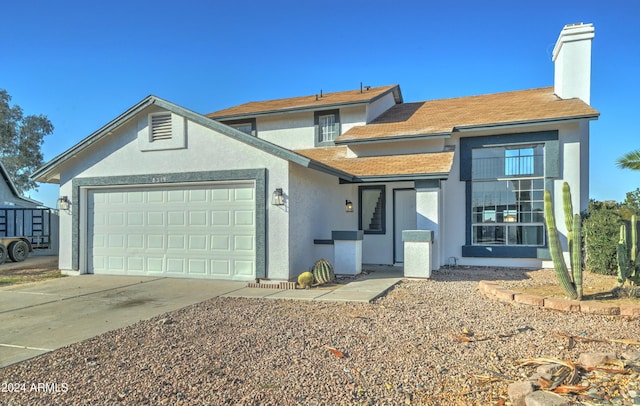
(305, 280)
(323, 272)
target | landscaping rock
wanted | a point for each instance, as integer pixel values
(595, 359)
(540, 398)
(631, 355)
(518, 391)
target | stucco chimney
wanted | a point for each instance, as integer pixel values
(572, 59)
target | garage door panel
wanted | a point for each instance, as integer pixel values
(205, 231)
(155, 241)
(155, 265)
(135, 241)
(135, 265)
(221, 268)
(220, 218)
(244, 268)
(243, 243)
(155, 218)
(198, 219)
(243, 218)
(176, 218)
(197, 242)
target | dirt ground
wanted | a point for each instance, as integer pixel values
(31, 270)
(595, 287)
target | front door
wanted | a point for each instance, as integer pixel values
(404, 218)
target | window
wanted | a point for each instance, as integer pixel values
(507, 190)
(246, 126)
(372, 209)
(327, 124)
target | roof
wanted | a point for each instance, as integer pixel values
(12, 187)
(313, 102)
(442, 117)
(426, 165)
(49, 172)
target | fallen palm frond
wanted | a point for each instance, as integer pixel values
(545, 361)
(598, 340)
(567, 374)
(566, 389)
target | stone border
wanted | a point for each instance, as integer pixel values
(495, 291)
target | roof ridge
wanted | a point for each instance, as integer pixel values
(487, 94)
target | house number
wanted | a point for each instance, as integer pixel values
(158, 179)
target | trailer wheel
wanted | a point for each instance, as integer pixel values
(3, 253)
(18, 251)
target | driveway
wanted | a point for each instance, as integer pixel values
(40, 317)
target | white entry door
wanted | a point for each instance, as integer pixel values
(404, 218)
(197, 231)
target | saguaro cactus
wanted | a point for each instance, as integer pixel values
(627, 267)
(570, 283)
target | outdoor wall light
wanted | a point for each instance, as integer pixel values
(277, 199)
(348, 206)
(63, 203)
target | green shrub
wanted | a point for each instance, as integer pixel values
(601, 233)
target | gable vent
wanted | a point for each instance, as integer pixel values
(161, 127)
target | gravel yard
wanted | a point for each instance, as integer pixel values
(403, 349)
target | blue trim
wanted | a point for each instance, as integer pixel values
(552, 169)
(383, 191)
(428, 184)
(417, 235)
(316, 126)
(467, 144)
(499, 251)
(347, 235)
(323, 242)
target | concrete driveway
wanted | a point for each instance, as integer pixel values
(39, 317)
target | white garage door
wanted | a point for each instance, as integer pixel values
(204, 231)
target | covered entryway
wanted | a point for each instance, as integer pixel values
(197, 231)
(404, 218)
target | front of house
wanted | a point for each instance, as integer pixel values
(261, 190)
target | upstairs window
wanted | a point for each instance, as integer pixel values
(246, 126)
(327, 124)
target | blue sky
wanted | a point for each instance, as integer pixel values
(82, 63)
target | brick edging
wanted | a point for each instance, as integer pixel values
(495, 291)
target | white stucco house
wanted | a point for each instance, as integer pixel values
(263, 189)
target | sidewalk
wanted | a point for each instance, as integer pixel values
(365, 288)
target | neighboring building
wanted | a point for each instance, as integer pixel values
(258, 190)
(9, 195)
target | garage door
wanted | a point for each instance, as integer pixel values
(203, 231)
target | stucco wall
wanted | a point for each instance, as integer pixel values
(317, 207)
(292, 131)
(379, 106)
(297, 130)
(398, 147)
(119, 155)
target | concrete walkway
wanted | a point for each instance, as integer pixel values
(39, 317)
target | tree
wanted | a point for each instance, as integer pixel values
(631, 205)
(630, 160)
(21, 139)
